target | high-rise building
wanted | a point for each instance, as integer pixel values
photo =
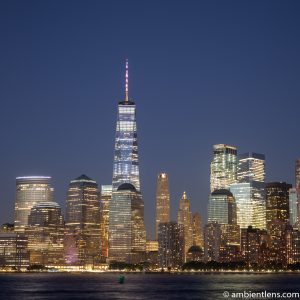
(14, 250)
(277, 205)
(251, 167)
(30, 190)
(222, 207)
(223, 167)
(212, 241)
(162, 200)
(249, 191)
(45, 233)
(170, 245)
(293, 206)
(126, 159)
(127, 234)
(106, 195)
(198, 239)
(186, 220)
(82, 239)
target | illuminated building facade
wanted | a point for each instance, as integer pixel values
(45, 233)
(198, 239)
(170, 245)
(185, 219)
(255, 246)
(126, 159)
(127, 234)
(152, 252)
(82, 238)
(297, 173)
(249, 191)
(30, 190)
(293, 207)
(222, 207)
(106, 195)
(212, 241)
(292, 238)
(14, 250)
(251, 204)
(162, 200)
(223, 167)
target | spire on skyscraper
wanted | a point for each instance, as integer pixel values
(126, 81)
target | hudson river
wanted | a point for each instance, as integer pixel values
(143, 286)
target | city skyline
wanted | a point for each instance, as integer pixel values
(46, 127)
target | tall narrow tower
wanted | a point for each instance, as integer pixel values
(162, 200)
(126, 159)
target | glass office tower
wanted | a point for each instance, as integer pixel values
(162, 200)
(30, 190)
(126, 160)
(222, 207)
(223, 167)
(249, 191)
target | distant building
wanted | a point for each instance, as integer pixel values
(152, 252)
(45, 233)
(223, 167)
(198, 237)
(162, 201)
(293, 207)
(30, 190)
(292, 240)
(106, 195)
(222, 207)
(195, 253)
(277, 206)
(82, 238)
(171, 245)
(212, 241)
(13, 251)
(185, 219)
(127, 234)
(255, 246)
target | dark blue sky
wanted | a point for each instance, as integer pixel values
(201, 72)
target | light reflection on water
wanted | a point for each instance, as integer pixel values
(140, 286)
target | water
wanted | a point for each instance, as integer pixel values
(140, 286)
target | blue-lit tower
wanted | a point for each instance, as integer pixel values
(126, 159)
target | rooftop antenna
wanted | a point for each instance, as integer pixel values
(126, 82)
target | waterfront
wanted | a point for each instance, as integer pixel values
(140, 286)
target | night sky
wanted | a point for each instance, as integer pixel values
(200, 72)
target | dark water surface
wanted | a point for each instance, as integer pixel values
(140, 286)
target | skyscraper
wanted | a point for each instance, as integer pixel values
(127, 234)
(185, 219)
(162, 200)
(106, 195)
(223, 167)
(249, 191)
(30, 191)
(82, 239)
(126, 160)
